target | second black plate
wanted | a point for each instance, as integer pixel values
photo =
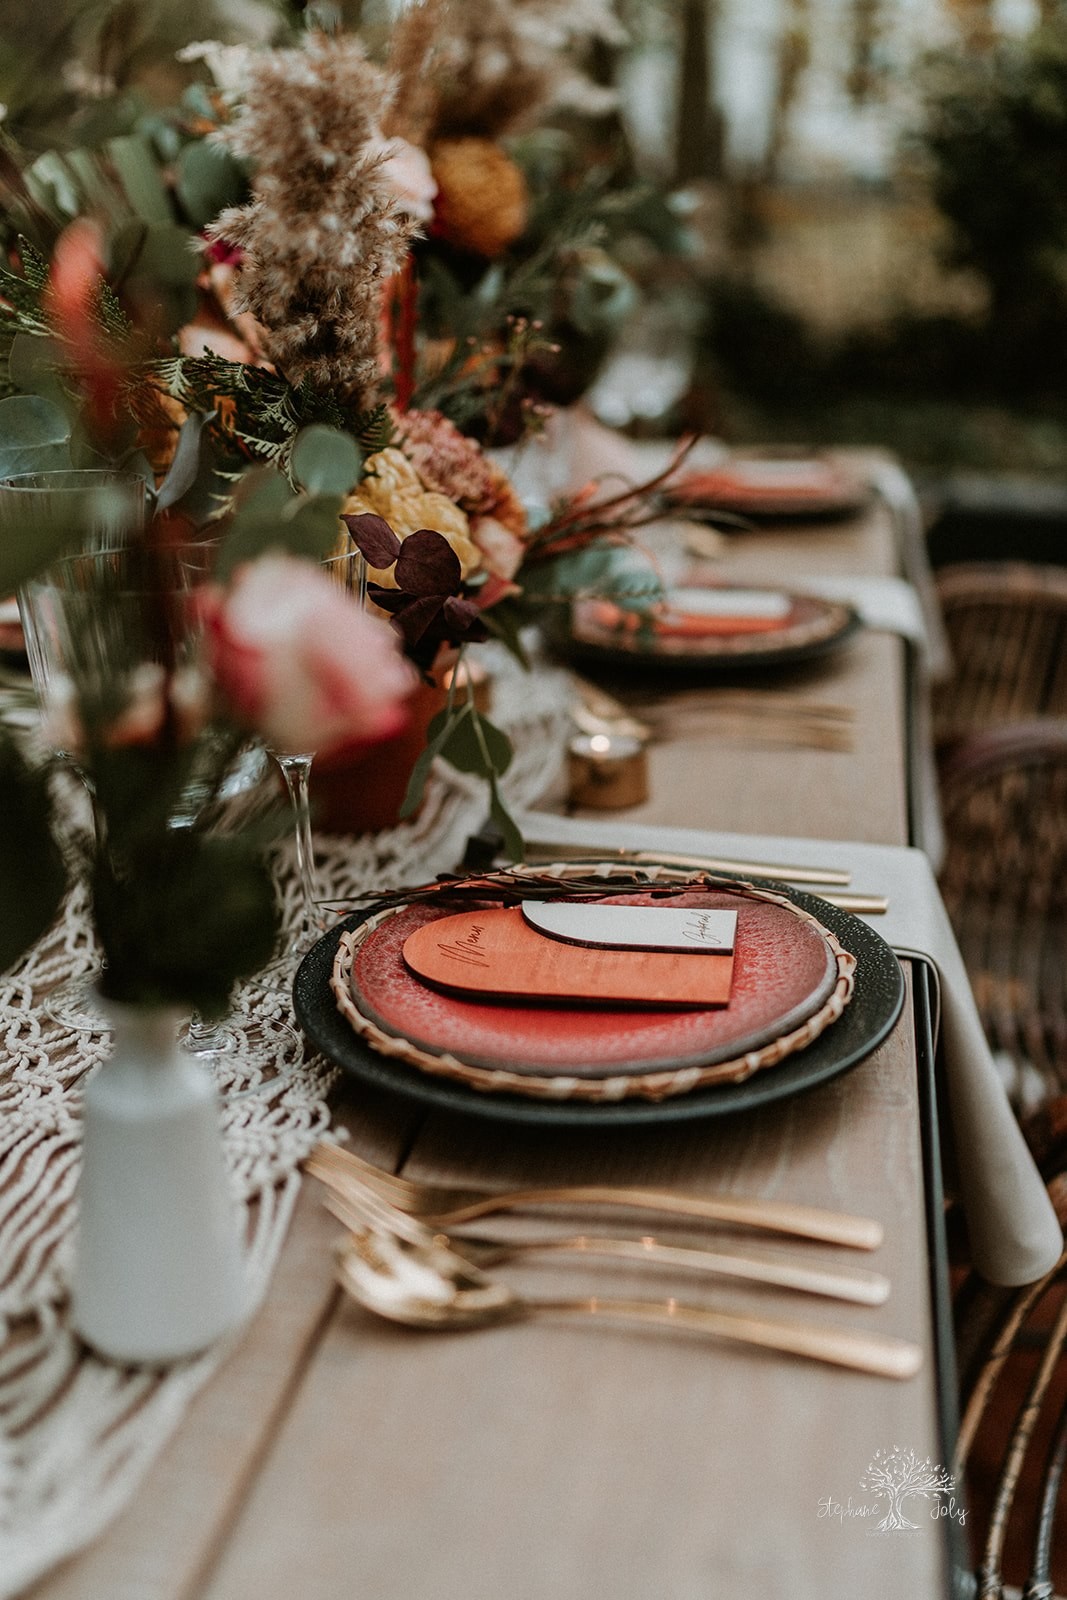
(867, 1020)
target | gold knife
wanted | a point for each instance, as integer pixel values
(545, 849)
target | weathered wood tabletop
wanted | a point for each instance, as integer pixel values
(334, 1456)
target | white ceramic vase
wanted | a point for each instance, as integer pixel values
(159, 1270)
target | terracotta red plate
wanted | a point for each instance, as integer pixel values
(867, 1020)
(792, 979)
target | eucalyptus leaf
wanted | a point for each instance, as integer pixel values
(313, 529)
(207, 179)
(31, 366)
(474, 744)
(32, 877)
(183, 470)
(272, 518)
(497, 744)
(98, 191)
(513, 846)
(31, 421)
(135, 163)
(262, 492)
(34, 436)
(196, 100)
(166, 255)
(326, 461)
(491, 286)
(164, 136)
(609, 570)
(83, 451)
(157, 264)
(32, 458)
(53, 185)
(436, 737)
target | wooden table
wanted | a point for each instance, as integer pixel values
(336, 1457)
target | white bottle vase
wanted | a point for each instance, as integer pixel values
(159, 1271)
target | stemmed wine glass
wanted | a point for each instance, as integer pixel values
(349, 571)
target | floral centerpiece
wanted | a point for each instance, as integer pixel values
(297, 308)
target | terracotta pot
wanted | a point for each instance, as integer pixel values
(364, 794)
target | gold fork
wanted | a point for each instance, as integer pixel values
(445, 1204)
(831, 1283)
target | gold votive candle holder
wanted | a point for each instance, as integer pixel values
(607, 771)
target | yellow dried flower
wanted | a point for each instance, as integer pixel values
(392, 489)
(482, 201)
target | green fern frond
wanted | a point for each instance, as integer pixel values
(23, 299)
(34, 264)
(373, 430)
(114, 320)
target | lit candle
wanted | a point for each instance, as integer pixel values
(608, 771)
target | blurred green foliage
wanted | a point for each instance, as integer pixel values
(995, 132)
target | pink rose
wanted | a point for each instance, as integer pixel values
(298, 661)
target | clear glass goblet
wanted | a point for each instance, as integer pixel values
(349, 571)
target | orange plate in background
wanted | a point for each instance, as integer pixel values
(768, 486)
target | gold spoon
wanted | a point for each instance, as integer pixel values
(429, 1286)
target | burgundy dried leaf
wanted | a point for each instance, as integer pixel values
(463, 619)
(416, 619)
(391, 600)
(374, 537)
(427, 564)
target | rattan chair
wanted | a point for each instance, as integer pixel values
(1004, 881)
(1012, 1444)
(1006, 624)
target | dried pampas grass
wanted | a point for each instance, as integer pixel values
(323, 232)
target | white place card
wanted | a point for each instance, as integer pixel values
(692, 929)
(757, 604)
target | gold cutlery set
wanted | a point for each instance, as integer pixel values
(396, 1261)
(829, 883)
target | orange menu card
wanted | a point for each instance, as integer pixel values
(497, 954)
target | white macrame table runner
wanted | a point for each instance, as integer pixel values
(78, 1433)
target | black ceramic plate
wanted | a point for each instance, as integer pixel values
(708, 661)
(867, 1021)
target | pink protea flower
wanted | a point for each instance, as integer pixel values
(447, 461)
(297, 661)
